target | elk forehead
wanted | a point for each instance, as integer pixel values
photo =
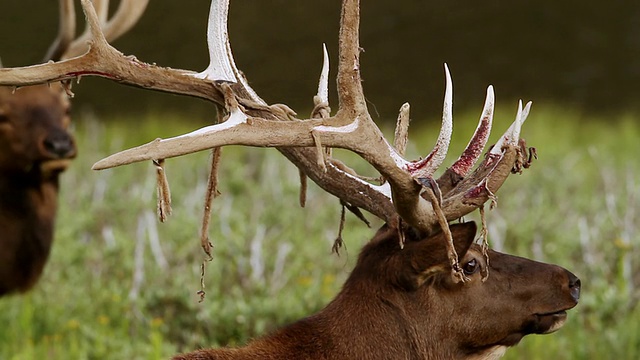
(50, 96)
(35, 109)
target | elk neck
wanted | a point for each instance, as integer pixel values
(28, 204)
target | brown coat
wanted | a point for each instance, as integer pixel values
(35, 147)
(403, 304)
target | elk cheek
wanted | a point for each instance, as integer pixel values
(16, 154)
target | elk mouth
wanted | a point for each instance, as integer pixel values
(546, 323)
(54, 166)
(539, 323)
(57, 156)
(57, 150)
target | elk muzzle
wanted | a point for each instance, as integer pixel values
(554, 321)
(57, 149)
(546, 323)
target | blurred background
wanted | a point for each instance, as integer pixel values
(121, 285)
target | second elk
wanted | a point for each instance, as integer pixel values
(36, 146)
(421, 288)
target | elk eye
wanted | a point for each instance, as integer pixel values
(471, 267)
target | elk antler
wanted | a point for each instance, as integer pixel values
(127, 15)
(251, 121)
(66, 30)
(65, 47)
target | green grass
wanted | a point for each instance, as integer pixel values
(120, 284)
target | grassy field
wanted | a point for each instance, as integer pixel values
(121, 285)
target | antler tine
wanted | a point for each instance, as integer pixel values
(478, 141)
(323, 83)
(221, 63)
(472, 152)
(512, 135)
(102, 9)
(350, 93)
(444, 138)
(81, 44)
(401, 135)
(66, 30)
(127, 14)
(427, 166)
(222, 66)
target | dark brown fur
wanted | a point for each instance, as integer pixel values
(403, 304)
(35, 146)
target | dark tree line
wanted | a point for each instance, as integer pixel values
(579, 53)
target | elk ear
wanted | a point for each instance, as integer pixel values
(463, 236)
(423, 259)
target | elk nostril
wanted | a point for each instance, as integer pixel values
(59, 145)
(574, 288)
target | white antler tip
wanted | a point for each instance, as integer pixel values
(489, 103)
(525, 112)
(448, 96)
(520, 119)
(490, 92)
(517, 125)
(512, 135)
(447, 117)
(323, 84)
(433, 161)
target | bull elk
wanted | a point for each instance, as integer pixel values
(421, 288)
(35, 147)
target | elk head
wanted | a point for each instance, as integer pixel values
(34, 120)
(36, 146)
(34, 131)
(414, 203)
(485, 314)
